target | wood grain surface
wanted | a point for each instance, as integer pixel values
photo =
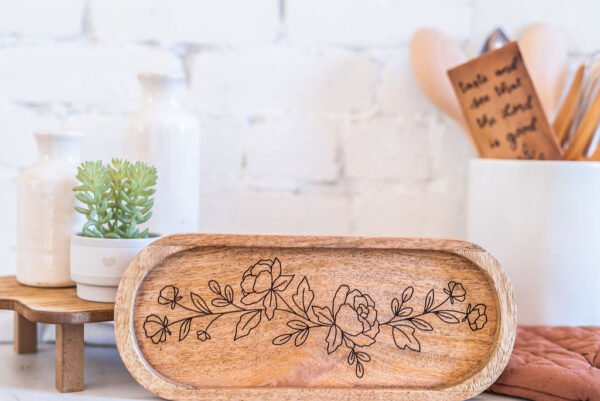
(277, 317)
(502, 108)
(51, 305)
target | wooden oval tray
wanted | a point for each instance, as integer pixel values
(282, 317)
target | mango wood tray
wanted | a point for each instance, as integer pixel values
(59, 306)
(215, 317)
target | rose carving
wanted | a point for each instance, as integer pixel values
(476, 317)
(355, 318)
(261, 282)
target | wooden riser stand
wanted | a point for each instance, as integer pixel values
(58, 306)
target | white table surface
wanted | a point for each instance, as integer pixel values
(31, 377)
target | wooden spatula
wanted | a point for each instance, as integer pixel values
(565, 115)
(545, 52)
(432, 53)
(585, 131)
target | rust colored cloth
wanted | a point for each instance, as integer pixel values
(553, 364)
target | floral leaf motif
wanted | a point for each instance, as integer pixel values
(395, 306)
(282, 339)
(404, 337)
(363, 356)
(405, 311)
(297, 325)
(301, 337)
(199, 303)
(219, 302)
(282, 282)
(360, 371)
(304, 295)
(214, 287)
(270, 304)
(351, 357)
(247, 322)
(324, 315)
(334, 338)
(229, 293)
(447, 317)
(407, 294)
(184, 329)
(429, 299)
(421, 324)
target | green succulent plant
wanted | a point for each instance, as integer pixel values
(116, 198)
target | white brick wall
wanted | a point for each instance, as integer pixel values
(312, 122)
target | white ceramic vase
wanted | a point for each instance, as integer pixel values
(97, 264)
(163, 134)
(46, 215)
(541, 220)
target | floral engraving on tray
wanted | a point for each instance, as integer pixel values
(350, 322)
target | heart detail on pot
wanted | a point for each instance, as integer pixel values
(109, 262)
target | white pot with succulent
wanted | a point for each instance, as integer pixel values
(116, 199)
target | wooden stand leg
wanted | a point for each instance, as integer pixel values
(25, 335)
(69, 357)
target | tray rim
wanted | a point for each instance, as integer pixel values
(488, 371)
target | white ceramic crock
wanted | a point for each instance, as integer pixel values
(46, 214)
(541, 220)
(97, 264)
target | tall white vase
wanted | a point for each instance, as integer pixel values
(163, 134)
(46, 215)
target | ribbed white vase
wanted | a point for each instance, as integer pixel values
(162, 133)
(46, 215)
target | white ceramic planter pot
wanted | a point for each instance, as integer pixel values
(541, 220)
(97, 264)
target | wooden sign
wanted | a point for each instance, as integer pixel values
(501, 107)
(218, 317)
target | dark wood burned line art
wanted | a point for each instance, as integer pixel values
(350, 321)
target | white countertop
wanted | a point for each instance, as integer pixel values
(31, 377)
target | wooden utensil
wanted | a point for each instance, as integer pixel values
(432, 53)
(585, 131)
(565, 115)
(501, 106)
(219, 317)
(545, 53)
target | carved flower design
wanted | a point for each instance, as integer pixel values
(350, 320)
(261, 282)
(156, 328)
(455, 292)
(354, 319)
(476, 317)
(169, 296)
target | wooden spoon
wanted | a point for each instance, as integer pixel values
(432, 53)
(565, 115)
(545, 53)
(585, 131)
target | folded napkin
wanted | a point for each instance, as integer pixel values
(553, 364)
